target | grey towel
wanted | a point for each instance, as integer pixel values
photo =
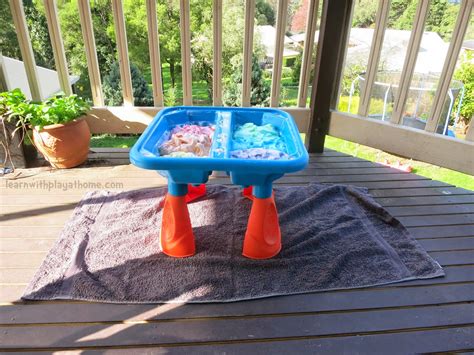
(333, 236)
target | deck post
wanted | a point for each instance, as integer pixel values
(333, 35)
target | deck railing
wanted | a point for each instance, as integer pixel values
(317, 120)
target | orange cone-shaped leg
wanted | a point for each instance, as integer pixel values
(263, 238)
(176, 234)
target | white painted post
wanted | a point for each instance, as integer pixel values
(57, 44)
(410, 60)
(311, 23)
(455, 45)
(278, 55)
(154, 48)
(91, 52)
(19, 20)
(374, 56)
(248, 52)
(186, 52)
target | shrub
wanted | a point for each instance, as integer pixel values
(260, 88)
(287, 72)
(113, 87)
(465, 73)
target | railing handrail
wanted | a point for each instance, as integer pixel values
(327, 74)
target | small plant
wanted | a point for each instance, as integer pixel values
(13, 128)
(13, 106)
(171, 96)
(59, 109)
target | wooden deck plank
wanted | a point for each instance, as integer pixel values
(430, 232)
(458, 200)
(440, 216)
(388, 297)
(216, 330)
(411, 341)
(431, 210)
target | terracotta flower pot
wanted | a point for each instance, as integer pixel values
(64, 145)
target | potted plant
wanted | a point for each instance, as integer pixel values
(60, 132)
(13, 129)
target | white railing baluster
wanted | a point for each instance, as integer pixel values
(122, 51)
(311, 23)
(381, 20)
(454, 49)
(278, 54)
(217, 55)
(410, 60)
(248, 52)
(154, 48)
(54, 29)
(91, 53)
(186, 52)
(19, 20)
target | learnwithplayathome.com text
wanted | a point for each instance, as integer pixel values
(50, 185)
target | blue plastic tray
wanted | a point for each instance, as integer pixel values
(196, 170)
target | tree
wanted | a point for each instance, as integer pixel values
(264, 13)
(112, 87)
(465, 73)
(168, 29)
(8, 40)
(441, 17)
(38, 28)
(260, 89)
(364, 13)
(74, 43)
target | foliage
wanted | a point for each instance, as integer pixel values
(8, 40)
(286, 72)
(264, 13)
(260, 89)
(113, 87)
(465, 73)
(364, 13)
(441, 17)
(171, 96)
(59, 109)
(297, 68)
(12, 106)
(233, 33)
(38, 29)
(101, 12)
(350, 74)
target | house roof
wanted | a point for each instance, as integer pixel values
(469, 44)
(430, 57)
(15, 77)
(267, 35)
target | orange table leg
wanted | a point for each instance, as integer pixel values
(263, 237)
(176, 236)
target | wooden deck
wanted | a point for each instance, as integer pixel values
(420, 316)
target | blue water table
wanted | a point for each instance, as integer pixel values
(187, 174)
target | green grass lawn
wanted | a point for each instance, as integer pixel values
(424, 169)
